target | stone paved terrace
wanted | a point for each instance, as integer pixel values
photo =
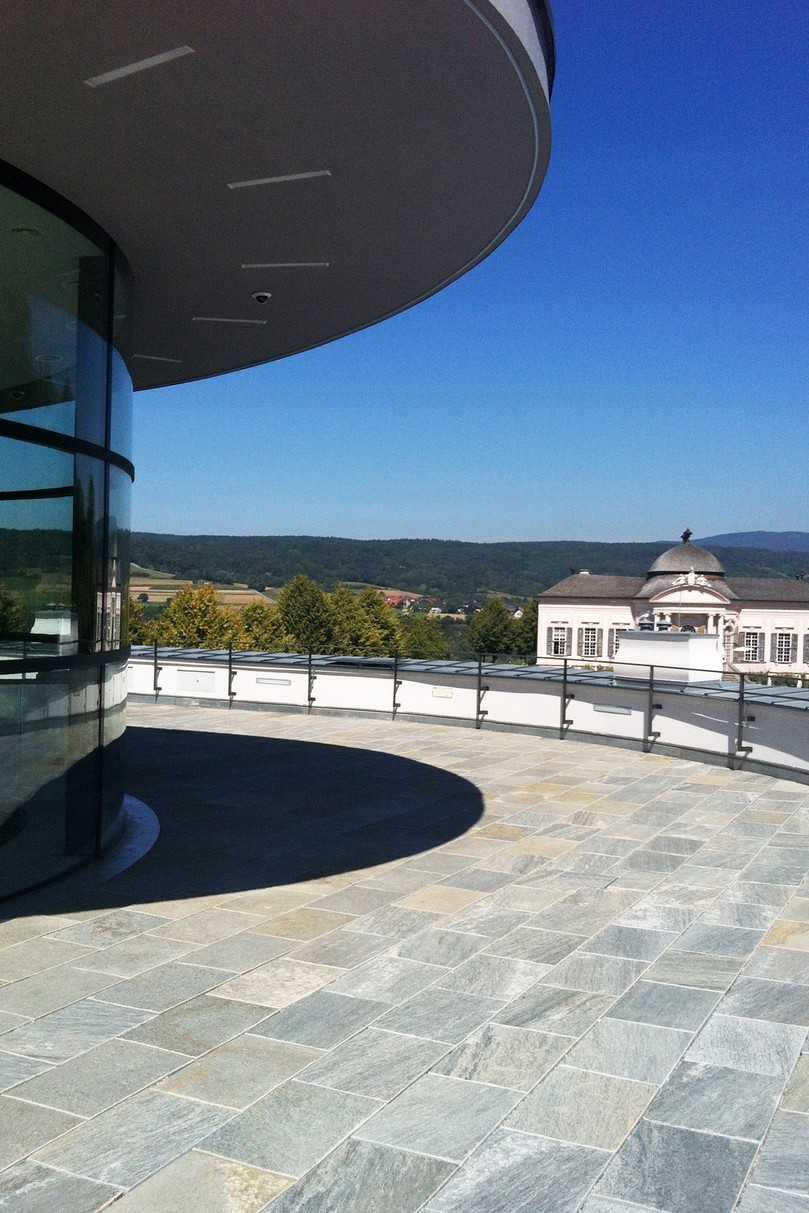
(380, 968)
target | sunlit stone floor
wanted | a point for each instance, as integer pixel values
(591, 992)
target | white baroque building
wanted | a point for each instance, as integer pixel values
(764, 621)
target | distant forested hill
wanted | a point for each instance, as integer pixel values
(448, 569)
(773, 541)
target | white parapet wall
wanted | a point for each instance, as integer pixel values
(667, 715)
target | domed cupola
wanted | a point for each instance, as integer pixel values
(685, 557)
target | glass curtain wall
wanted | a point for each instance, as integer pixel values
(65, 480)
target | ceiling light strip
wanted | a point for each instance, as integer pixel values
(285, 265)
(243, 185)
(156, 358)
(141, 65)
(226, 320)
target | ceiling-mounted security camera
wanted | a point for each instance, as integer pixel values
(262, 296)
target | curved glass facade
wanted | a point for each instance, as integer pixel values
(65, 480)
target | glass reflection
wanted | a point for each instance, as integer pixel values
(64, 543)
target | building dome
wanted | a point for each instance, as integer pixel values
(686, 556)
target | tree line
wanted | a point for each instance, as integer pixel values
(455, 571)
(308, 619)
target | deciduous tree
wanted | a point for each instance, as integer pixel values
(492, 630)
(305, 615)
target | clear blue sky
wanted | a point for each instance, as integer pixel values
(634, 359)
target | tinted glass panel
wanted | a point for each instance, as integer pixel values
(64, 544)
(54, 316)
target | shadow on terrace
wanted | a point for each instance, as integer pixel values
(239, 813)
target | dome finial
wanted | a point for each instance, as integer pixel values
(686, 535)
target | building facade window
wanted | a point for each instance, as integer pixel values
(558, 640)
(65, 480)
(753, 646)
(783, 647)
(589, 641)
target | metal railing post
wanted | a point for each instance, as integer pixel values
(651, 707)
(231, 675)
(157, 668)
(480, 712)
(395, 705)
(741, 720)
(310, 684)
(564, 722)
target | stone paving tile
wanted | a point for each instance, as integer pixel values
(441, 899)
(718, 941)
(582, 1107)
(354, 900)
(209, 926)
(585, 912)
(631, 943)
(160, 988)
(494, 976)
(668, 1006)
(240, 1071)
(552, 1009)
(727, 912)
(756, 1199)
(714, 1099)
(776, 866)
(541, 947)
(748, 1044)
(125, 1144)
(445, 1117)
(783, 1161)
(14, 1069)
(784, 933)
(630, 1050)
(277, 983)
(290, 1129)
(28, 1187)
(25, 959)
(198, 1181)
(96, 1080)
(322, 1019)
(198, 1025)
(504, 1056)
(72, 1030)
(436, 861)
(510, 1170)
(50, 990)
(438, 946)
(678, 1170)
(134, 955)
(353, 1176)
(486, 920)
(386, 979)
(796, 1096)
(375, 1063)
(305, 923)
(110, 928)
(781, 1001)
(656, 917)
(598, 974)
(694, 969)
(480, 879)
(605, 1204)
(442, 1015)
(343, 949)
(394, 922)
(238, 953)
(25, 1127)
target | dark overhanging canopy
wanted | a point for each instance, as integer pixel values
(347, 158)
